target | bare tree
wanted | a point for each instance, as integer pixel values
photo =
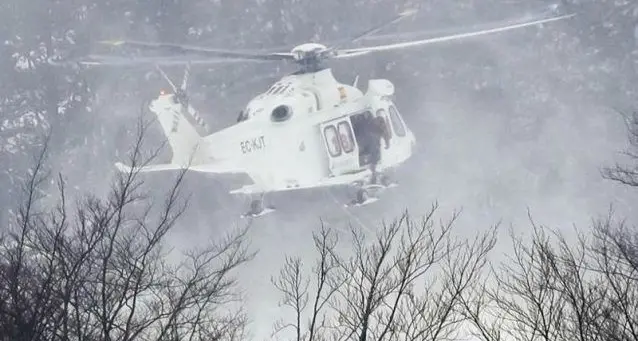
(614, 249)
(99, 269)
(294, 286)
(556, 289)
(627, 174)
(406, 283)
(523, 293)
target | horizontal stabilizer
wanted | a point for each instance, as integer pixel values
(216, 167)
(149, 168)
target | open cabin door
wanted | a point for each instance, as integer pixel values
(343, 152)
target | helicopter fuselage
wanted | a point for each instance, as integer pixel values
(307, 130)
(304, 131)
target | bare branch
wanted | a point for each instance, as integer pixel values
(555, 288)
(295, 291)
(404, 283)
(101, 273)
(627, 174)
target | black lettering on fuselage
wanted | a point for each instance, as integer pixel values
(254, 144)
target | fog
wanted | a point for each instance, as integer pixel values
(506, 124)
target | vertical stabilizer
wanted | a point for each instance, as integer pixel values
(180, 128)
(182, 125)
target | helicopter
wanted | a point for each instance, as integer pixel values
(307, 130)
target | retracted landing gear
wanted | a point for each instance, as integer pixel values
(258, 208)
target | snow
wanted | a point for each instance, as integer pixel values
(22, 63)
(461, 161)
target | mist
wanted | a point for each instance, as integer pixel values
(507, 124)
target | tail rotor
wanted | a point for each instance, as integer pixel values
(180, 93)
(181, 97)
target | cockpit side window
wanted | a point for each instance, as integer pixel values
(397, 124)
(243, 115)
(386, 120)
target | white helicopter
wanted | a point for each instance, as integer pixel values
(306, 131)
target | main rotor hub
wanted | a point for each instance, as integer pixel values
(308, 51)
(310, 56)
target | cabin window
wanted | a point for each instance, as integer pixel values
(345, 135)
(397, 124)
(332, 140)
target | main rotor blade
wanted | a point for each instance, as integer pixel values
(445, 31)
(344, 53)
(204, 51)
(106, 60)
(375, 29)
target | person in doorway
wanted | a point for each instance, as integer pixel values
(377, 130)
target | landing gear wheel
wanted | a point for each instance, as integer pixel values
(362, 196)
(258, 208)
(385, 180)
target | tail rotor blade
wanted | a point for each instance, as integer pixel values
(185, 79)
(165, 76)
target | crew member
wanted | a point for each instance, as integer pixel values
(377, 130)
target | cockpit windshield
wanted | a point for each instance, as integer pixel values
(243, 115)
